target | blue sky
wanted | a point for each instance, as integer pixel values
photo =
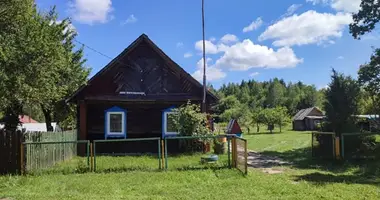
(246, 39)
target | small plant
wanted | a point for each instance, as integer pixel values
(81, 167)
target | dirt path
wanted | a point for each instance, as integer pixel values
(265, 163)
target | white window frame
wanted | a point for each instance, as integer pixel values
(122, 123)
(166, 124)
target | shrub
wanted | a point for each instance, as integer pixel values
(189, 120)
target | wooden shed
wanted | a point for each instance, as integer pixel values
(307, 119)
(132, 96)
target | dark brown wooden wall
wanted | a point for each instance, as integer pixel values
(142, 70)
(143, 120)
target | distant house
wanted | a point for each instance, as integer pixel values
(26, 119)
(307, 119)
(30, 125)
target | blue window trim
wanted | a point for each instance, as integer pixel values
(164, 134)
(115, 109)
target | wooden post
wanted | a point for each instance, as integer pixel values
(162, 153)
(246, 156)
(22, 158)
(91, 158)
(337, 148)
(82, 126)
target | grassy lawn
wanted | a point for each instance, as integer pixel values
(118, 178)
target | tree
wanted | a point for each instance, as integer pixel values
(281, 117)
(38, 65)
(369, 78)
(366, 19)
(22, 48)
(341, 102)
(246, 118)
(268, 116)
(71, 74)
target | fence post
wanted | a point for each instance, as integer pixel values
(342, 145)
(166, 154)
(93, 156)
(229, 151)
(312, 144)
(159, 153)
(234, 152)
(337, 147)
(246, 157)
(21, 158)
(88, 153)
(162, 153)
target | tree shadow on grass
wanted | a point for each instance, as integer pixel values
(264, 133)
(322, 179)
(349, 171)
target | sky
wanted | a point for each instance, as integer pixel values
(296, 40)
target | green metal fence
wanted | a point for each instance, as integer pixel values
(197, 152)
(120, 155)
(360, 145)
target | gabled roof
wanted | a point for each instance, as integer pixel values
(304, 113)
(132, 46)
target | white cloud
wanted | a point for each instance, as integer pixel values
(292, 9)
(245, 55)
(340, 5)
(212, 73)
(340, 58)
(254, 74)
(228, 38)
(210, 47)
(308, 28)
(212, 39)
(254, 25)
(130, 20)
(179, 44)
(91, 11)
(346, 5)
(188, 55)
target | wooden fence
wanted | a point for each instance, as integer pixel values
(35, 156)
(10, 154)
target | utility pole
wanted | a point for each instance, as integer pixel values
(204, 58)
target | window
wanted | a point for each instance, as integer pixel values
(115, 122)
(168, 126)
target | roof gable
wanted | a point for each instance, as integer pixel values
(313, 111)
(141, 71)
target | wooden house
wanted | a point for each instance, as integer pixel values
(307, 119)
(132, 96)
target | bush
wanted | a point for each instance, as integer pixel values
(189, 120)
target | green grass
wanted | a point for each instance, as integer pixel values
(304, 178)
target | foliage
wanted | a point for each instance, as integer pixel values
(189, 120)
(369, 78)
(268, 94)
(38, 63)
(341, 102)
(366, 19)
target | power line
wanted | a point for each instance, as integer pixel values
(100, 53)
